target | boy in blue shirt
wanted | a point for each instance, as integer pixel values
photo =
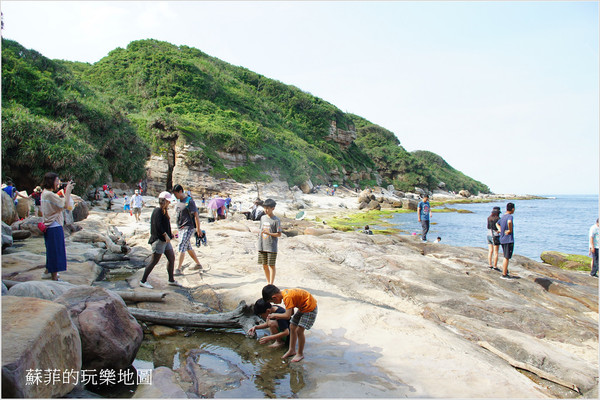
(423, 214)
(280, 328)
(507, 238)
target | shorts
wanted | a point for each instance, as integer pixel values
(137, 210)
(507, 249)
(126, 207)
(185, 234)
(159, 247)
(493, 240)
(267, 258)
(304, 320)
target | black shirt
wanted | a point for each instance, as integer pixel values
(159, 225)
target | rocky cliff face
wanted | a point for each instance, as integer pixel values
(185, 165)
(340, 136)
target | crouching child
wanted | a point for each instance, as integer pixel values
(302, 319)
(279, 328)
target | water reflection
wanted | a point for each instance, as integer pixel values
(227, 364)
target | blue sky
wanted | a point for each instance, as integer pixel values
(506, 92)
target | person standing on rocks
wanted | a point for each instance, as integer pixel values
(507, 237)
(187, 222)
(52, 211)
(160, 239)
(594, 241)
(423, 214)
(137, 202)
(493, 238)
(269, 232)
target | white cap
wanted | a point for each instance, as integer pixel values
(166, 195)
(137, 191)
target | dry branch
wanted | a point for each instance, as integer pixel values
(242, 317)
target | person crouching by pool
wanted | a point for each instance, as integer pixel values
(52, 210)
(302, 320)
(160, 239)
(279, 329)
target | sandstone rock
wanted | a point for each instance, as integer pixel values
(164, 386)
(343, 137)
(307, 187)
(110, 335)
(410, 204)
(47, 290)
(567, 261)
(23, 205)
(465, 193)
(37, 335)
(397, 204)
(317, 231)
(363, 205)
(80, 211)
(7, 239)
(9, 211)
(4, 289)
(20, 234)
(365, 196)
(374, 205)
(160, 330)
(29, 224)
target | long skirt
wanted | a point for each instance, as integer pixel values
(56, 255)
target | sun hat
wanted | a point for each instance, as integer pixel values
(165, 195)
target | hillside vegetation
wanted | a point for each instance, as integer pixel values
(87, 121)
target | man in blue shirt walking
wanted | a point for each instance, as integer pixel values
(507, 239)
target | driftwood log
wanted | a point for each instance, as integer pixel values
(530, 368)
(242, 317)
(141, 296)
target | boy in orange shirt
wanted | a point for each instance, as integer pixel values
(302, 320)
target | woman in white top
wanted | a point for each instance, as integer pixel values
(52, 211)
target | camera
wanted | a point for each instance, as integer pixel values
(63, 184)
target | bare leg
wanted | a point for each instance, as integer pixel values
(301, 340)
(272, 274)
(490, 252)
(293, 335)
(55, 276)
(495, 257)
(267, 273)
(274, 329)
(505, 267)
(192, 254)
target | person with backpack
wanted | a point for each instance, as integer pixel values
(188, 222)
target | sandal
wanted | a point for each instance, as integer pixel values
(178, 272)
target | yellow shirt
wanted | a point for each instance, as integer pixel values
(300, 299)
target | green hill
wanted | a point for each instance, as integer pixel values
(88, 121)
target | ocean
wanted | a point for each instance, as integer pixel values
(558, 223)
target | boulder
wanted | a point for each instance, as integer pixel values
(567, 261)
(23, 205)
(20, 234)
(7, 239)
(81, 210)
(410, 204)
(4, 289)
(164, 386)
(317, 231)
(307, 187)
(374, 205)
(365, 196)
(37, 335)
(442, 185)
(363, 205)
(9, 211)
(29, 224)
(110, 335)
(465, 193)
(47, 290)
